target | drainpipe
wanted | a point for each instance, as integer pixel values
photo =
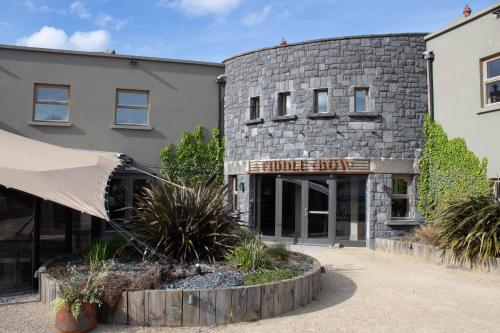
(429, 59)
(221, 81)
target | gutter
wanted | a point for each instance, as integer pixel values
(221, 81)
(429, 59)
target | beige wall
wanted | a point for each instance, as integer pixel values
(457, 85)
(182, 95)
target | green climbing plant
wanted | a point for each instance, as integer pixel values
(194, 159)
(449, 171)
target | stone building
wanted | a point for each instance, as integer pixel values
(322, 137)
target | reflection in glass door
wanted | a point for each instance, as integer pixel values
(291, 208)
(317, 213)
(351, 202)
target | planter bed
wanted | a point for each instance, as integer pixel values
(202, 307)
(422, 252)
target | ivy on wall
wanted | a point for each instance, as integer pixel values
(448, 171)
(194, 160)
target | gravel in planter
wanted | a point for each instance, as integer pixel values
(208, 281)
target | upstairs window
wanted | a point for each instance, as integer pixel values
(284, 104)
(132, 107)
(400, 201)
(361, 100)
(51, 103)
(491, 81)
(321, 101)
(254, 108)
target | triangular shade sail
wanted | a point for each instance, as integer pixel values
(71, 177)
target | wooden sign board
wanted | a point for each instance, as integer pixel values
(310, 166)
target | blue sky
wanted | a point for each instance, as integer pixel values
(211, 30)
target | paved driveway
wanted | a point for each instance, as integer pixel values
(362, 291)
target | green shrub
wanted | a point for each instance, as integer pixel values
(448, 170)
(97, 254)
(280, 251)
(184, 223)
(194, 160)
(118, 247)
(470, 230)
(250, 254)
(267, 276)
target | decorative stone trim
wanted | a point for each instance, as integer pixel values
(404, 222)
(284, 118)
(203, 307)
(254, 121)
(363, 114)
(315, 115)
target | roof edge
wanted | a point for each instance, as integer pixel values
(462, 21)
(109, 55)
(327, 40)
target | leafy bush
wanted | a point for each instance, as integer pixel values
(184, 223)
(448, 170)
(267, 276)
(193, 160)
(470, 230)
(250, 254)
(280, 251)
(78, 290)
(97, 254)
(425, 234)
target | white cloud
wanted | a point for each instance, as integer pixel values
(202, 7)
(257, 17)
(39, 7)
(53, 38)
(4, 24)
(103, 20)
(79, 9)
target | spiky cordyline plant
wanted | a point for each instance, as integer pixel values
(184, 223)
(469, 231)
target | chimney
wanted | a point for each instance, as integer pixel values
(283, 42)
(467, 11)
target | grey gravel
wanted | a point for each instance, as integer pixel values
(16, 298)
(208, 281)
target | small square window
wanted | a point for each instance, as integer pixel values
(284, 104)
(491, 81)
(321, 101)
(254, 108)
(400, 199)
(51, 103)
(132, 107)
(361, 100)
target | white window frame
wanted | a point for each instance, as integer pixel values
(123, 106)
(487, 80)
(315, 101)
(37, 101)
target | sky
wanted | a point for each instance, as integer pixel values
(211, 30)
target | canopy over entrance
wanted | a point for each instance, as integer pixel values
(71, 177)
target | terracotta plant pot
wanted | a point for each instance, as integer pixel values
(66, 323)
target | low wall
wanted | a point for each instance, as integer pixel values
(203, 307)
(422, 252)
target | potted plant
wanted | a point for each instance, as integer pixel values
(75, 307)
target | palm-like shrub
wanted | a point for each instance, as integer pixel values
(184, 223)
(470, 231)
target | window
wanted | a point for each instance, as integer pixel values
(51, 103)
(400, 203)
(132, 107)
(284, 104)
(360, 99)
(254, 108)
(321, 101)
(233, 185)
(491, 81)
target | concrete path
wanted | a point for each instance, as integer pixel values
(362, 291)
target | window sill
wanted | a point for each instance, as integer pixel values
(49, 123)
(133, 127)
(314, 115)
(284, 118)
(490, 108)
(363, 114)
(254, 121)
(402, 221)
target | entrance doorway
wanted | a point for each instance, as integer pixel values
(312, 209)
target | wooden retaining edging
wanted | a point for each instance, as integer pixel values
(422, 252)
(203, 307)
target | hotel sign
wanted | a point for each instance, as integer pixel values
(315, 166)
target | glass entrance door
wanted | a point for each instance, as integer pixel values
(350, 222)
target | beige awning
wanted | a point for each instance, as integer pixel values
(71, 177)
